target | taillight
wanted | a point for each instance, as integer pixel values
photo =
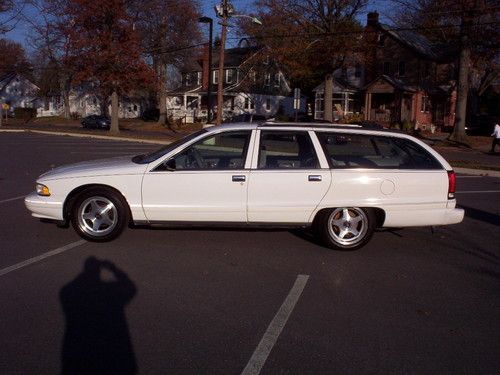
(452, 182)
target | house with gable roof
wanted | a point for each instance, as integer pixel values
(400, 76)
(18, 91)
(253, 85)
(408, 77)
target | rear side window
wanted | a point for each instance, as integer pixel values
(286, 150)
(375, 152)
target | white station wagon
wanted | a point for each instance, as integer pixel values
(344, 181)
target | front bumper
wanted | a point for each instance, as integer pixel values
(44, 207)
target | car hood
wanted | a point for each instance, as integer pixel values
(122, 165)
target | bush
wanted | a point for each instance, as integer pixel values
(25, 113)
(408, 126)
(354, 118)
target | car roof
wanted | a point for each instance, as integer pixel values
(303, 126)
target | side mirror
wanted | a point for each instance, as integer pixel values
(170, 165)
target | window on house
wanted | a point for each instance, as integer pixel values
(401, 69)
(268, 104)
(187, 79)
(253, 75)
(135, 107)
(425, 105)
(267, 79)
(277, 79)
(216, 77)
(229, 75)
(387, 68)
(198, 78)
(249, 104)
(319, 103)
(381, 39)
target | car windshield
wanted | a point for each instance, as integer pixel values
(152, 156)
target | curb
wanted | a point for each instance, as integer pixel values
(78, 135)
(477, 172)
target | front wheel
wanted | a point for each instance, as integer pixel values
(99, 215)
(346, 228)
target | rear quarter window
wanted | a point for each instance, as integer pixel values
(345, 150)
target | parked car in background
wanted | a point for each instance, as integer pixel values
(96, 122)
(343, 181)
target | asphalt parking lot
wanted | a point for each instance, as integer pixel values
(413, 301)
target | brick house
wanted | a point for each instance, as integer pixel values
(407, 77)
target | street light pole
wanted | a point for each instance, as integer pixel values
(209, 86)
(220, 84)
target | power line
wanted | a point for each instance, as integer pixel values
(334, 33)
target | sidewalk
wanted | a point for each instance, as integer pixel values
(463, 159)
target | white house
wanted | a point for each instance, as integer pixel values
(253, 84)
(84, 102)
(18, 91)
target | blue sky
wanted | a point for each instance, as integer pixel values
(19, 34)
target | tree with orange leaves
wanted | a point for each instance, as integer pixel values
(104, 47)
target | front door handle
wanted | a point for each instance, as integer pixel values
(314, 177)
(239, 178)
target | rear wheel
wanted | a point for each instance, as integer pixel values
(99, 215)
(346, 228)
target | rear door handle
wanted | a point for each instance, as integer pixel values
(239, 178)
(314, 177)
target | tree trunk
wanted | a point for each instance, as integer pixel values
(458, 133)
(65, 85)
(328, 97)
(162, 93)
(114, 113)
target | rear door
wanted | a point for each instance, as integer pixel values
(289, 177)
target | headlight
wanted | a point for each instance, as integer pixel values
(43, 190)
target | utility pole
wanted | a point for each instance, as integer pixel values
(223, 11)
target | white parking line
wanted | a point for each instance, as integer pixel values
(265, 346)
(38, 258)
(477, 191)
(12, 199)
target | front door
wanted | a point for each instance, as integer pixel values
(207, 181)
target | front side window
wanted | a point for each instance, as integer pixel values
(286, 150)
(375, 152)
(217, 152)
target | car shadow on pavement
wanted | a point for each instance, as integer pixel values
(481, 215)
(96, 339)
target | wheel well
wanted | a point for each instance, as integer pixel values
(68, 203)
(379, 215)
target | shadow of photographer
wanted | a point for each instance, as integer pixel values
(97, 339)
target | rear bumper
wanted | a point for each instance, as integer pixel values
(417, 216)
(453, 216)
(43, 207)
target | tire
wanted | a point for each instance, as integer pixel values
(99, 214)
(345, 228)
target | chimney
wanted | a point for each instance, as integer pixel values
(372, 19)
